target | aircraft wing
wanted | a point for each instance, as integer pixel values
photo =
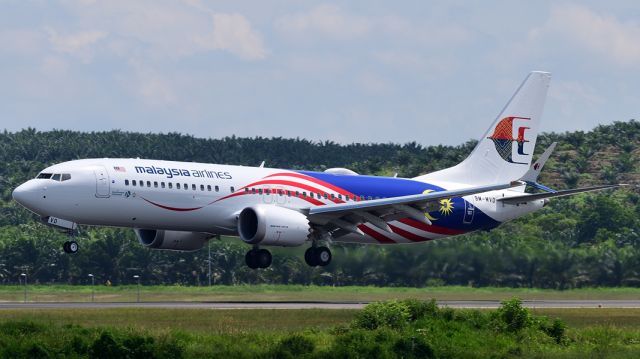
(569, 192)
(347, 216)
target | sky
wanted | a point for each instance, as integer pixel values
(433, 72)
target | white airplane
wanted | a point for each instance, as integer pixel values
(182, 205)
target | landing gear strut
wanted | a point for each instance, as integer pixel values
(317, 256)
(70, 247)
(258, 258)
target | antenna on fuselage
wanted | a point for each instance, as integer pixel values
(261, 165)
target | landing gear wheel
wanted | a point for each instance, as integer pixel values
(251, 258)
(70, 247)
(323, 256)
(263, 258)
(310, 257)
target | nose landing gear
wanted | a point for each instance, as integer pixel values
(258, 258)
(70, 247)
(317, 256)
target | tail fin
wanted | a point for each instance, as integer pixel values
(505, 151)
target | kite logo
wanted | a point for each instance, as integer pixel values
(503, 138)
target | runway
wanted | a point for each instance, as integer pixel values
(469, 304)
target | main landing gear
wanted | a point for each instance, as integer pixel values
(258, 258)
(314, 256)
(317, 256)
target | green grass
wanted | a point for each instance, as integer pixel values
(606, 333)
(62, 293)
(231, 321)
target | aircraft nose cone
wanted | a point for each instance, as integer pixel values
(20, 194)
(27, 194)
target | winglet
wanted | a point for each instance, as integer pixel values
(534, 171)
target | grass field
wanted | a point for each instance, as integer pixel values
(62, 293)
(202, 321)
(197, 333)
(235, 321)
(598, 333)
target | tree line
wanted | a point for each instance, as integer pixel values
(586, 240)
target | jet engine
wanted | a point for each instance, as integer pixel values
(172, 240)
(273, 226)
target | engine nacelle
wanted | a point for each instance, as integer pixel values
(273, 226)
(172, 240)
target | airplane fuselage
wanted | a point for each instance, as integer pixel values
(186, 196)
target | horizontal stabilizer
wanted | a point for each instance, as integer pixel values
(569, 192)
(535, 169)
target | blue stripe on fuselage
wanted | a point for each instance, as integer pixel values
(387, 187)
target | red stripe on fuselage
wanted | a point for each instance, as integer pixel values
(297, 185)
(171, 208)
(408, 235)
(431, 228)
(376, 235)
(308, 199)
(314, 180)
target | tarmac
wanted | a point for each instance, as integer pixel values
(469, 304)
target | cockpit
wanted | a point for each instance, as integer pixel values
(60, 177)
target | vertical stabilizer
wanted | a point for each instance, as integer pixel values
(505, 151)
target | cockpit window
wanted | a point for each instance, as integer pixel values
(65, 177)
(44, 176)
(56, 177)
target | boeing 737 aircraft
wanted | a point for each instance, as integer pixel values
(181, 205)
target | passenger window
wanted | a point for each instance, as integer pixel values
(186, 187)
(66, 176)
(267, 191)
(304, 194)
(177, 185)
(246, 189)
(232, 189)
(288, 193)
(126, 182)
(56, 177)
(202, 187)
(319, 195)
(155, 184)
(162, 184)
(259, 190)
(148, 183)
(339, 196)
(209, 187)
(133, 183)
(297, 194)
(253, 190)
(217, 189)
(170, 185)
(193, 187)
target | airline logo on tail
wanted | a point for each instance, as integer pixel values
(503, 139)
